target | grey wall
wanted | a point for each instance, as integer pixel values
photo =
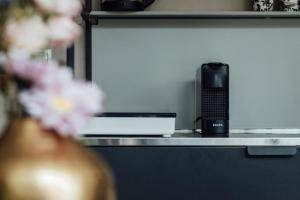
(202, 5)
(237, 5)
(150, 66)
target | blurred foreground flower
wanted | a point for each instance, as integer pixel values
(63, 31)
(55, 99)
(29, 33)
(69, 8)
(65, 108)
(40, 73)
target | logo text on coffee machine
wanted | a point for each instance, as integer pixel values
(217, 125)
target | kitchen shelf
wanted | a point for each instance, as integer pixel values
(193, 15)
(195, 139)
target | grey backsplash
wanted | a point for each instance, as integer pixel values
(150, 66)
(237, 5)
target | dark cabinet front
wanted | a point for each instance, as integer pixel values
(201, 173)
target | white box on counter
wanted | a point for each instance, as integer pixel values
(131, 124)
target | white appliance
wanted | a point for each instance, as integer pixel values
(132, 124)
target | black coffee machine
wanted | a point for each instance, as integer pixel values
(125, 5)
(212, 99)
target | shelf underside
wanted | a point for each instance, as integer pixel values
(194, 15)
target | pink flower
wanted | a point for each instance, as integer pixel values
(69, 8)
(28, 33)
(63, 31)
(63, 106)
(40, 73)
(55, 77)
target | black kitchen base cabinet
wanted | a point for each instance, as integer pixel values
(201, 173)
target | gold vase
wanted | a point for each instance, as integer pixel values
(38, 164)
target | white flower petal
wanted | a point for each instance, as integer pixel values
(28, 33)
(63, 30)
(69, 8)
